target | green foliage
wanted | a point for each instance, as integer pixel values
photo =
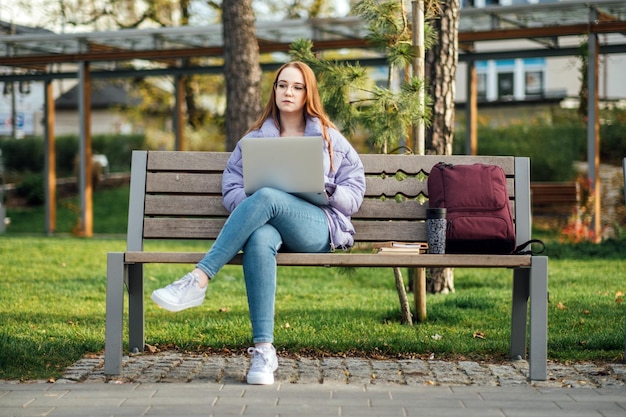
(389, 29)
(110, 212)
(20, 156)
(552, 150)
(612, 140)
(118, 149)
(607, 249)
(390, 114)
(32, 189)
(553, 142)
(336, 83)
(27, 155)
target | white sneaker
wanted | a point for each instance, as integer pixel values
(181, 294)
(264, 363)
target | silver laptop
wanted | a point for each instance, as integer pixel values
(291, 164)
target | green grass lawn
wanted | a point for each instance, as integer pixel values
(52, 304)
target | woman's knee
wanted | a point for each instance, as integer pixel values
(265, 238)
(266, 193)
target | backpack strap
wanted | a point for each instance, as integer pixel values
(519, 250)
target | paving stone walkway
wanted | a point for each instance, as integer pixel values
(175, 384)
(171, 367)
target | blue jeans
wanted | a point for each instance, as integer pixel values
(262, 224)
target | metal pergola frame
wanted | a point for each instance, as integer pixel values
(553, 29)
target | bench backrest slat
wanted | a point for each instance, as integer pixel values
(184, 182)
(177, 195)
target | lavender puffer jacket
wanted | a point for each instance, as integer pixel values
(346, 184)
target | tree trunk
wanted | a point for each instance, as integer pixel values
(441, 63)
(440, 280)
(242, 71)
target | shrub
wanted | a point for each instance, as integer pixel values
(552, 149)
(19, 156)
(613, 143)
(32, 189)
(553, 141)
(27, 155)
(117, 148)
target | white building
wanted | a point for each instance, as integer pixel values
(539, 77)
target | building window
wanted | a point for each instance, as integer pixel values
(505, 85)
(481, 86)
(534, 83)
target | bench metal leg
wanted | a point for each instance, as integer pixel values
(136, 336)
(538, 351)
(114, 314)
(521, 292)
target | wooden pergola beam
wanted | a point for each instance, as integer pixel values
(102, 53)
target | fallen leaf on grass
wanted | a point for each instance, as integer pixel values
(561, 306)
(585, 312)
(479, 335)
(619, 297)
(436, 337)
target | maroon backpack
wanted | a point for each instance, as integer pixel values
(477, 204)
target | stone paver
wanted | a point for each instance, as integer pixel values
(175, 367)
(175, 384)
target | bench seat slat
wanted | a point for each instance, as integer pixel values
(351, 259)
(555, 198)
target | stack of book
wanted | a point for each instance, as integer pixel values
(401, 247)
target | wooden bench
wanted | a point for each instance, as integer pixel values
(177, 195)
(561, 199)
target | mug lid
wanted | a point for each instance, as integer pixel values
(436, 213)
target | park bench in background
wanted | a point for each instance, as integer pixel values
(555, 199)
(177, 195)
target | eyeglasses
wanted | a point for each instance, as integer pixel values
(296, 88)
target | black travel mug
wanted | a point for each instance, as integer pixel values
(436, 230)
